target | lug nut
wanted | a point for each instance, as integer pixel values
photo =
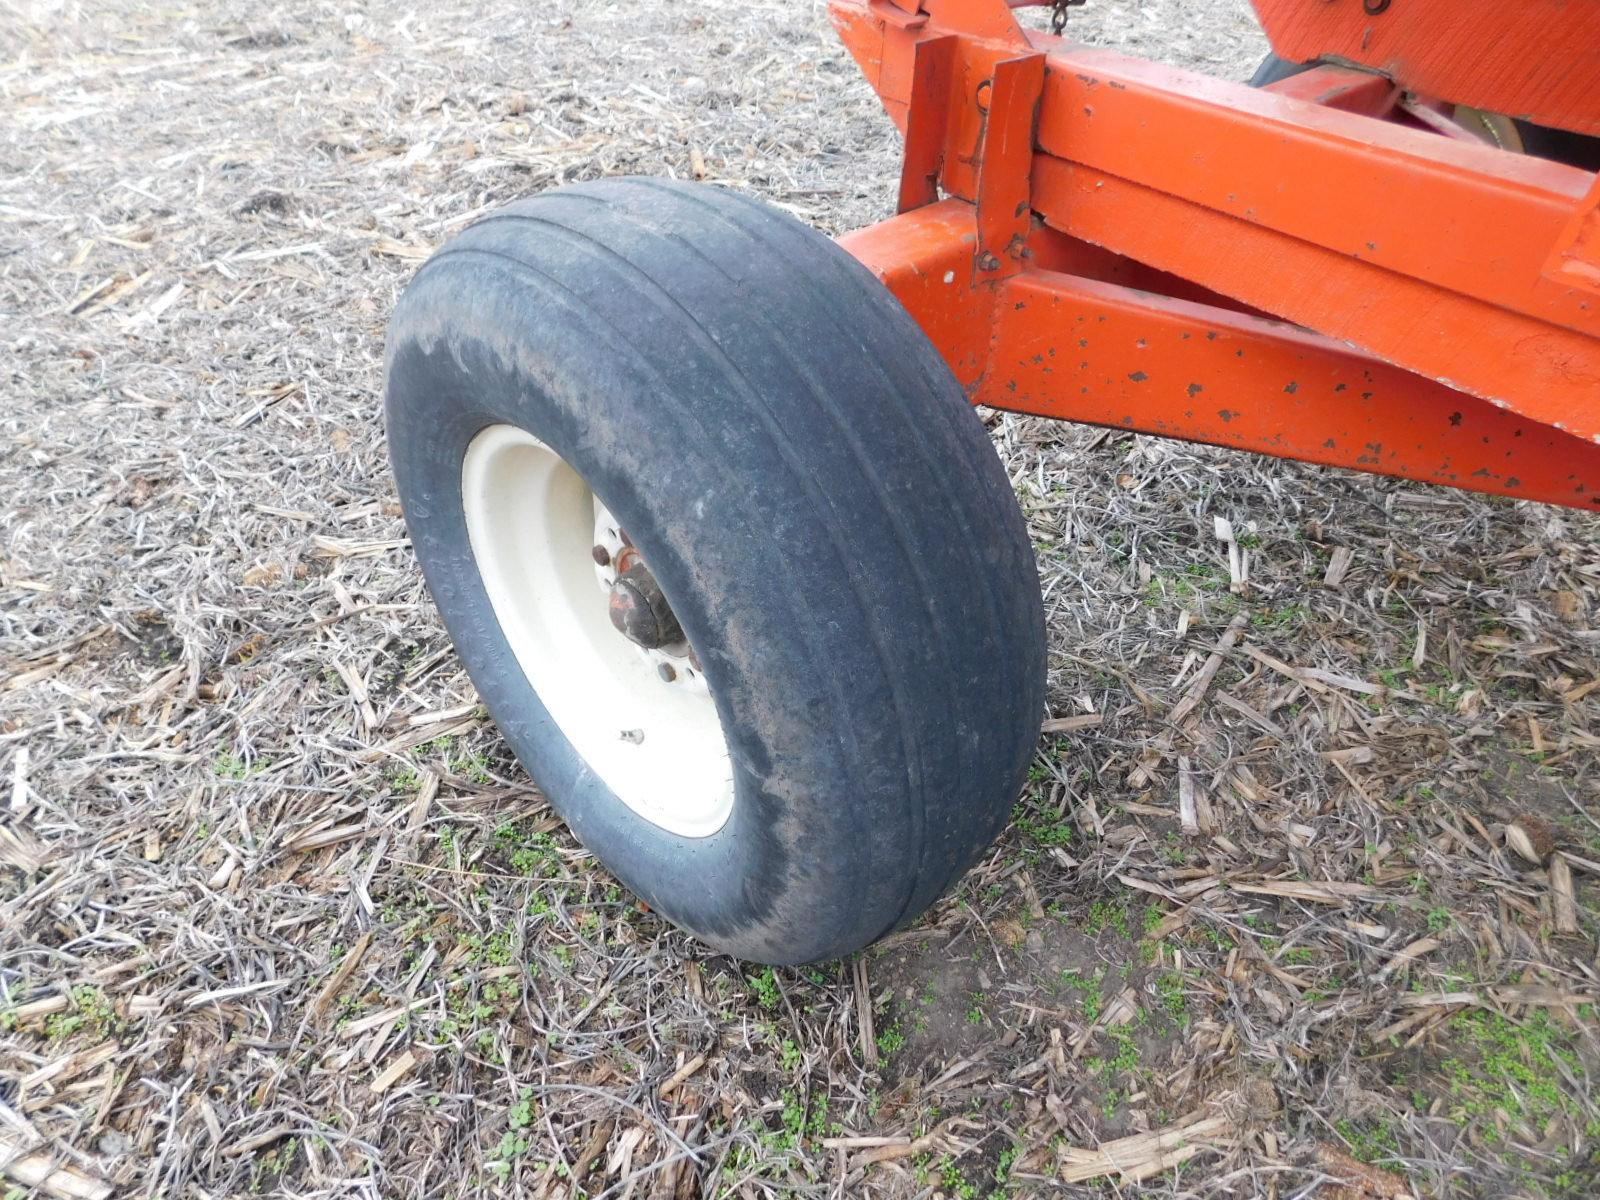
(667, 672)
(602, 556)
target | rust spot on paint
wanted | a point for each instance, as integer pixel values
(1138, 376)
(1194, 389)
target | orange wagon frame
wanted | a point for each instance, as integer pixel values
(1289, 270)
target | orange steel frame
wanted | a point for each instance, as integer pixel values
(1102, 239)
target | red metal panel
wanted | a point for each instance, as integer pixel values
(1538, 59)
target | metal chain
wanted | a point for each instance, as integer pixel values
(1058, 14)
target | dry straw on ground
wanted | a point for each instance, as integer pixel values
(1299, 901)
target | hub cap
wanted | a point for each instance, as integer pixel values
(594, 634)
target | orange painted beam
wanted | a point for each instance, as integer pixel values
(1467, 218)
(1106, 355)
(927, 258)
(1544, 372)
(1065, 346)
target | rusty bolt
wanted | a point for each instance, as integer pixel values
(602, 556)
(988, 262)
(667, 672)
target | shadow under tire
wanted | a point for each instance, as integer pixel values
(765, 429)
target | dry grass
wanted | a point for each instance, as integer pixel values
(278, 914)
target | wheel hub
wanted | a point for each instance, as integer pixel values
(639, 610)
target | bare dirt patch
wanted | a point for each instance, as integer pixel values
(278, 914)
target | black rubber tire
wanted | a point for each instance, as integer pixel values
(860, 587)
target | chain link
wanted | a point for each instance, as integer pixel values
(1058, 14)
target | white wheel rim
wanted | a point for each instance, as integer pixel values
(533, 525)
